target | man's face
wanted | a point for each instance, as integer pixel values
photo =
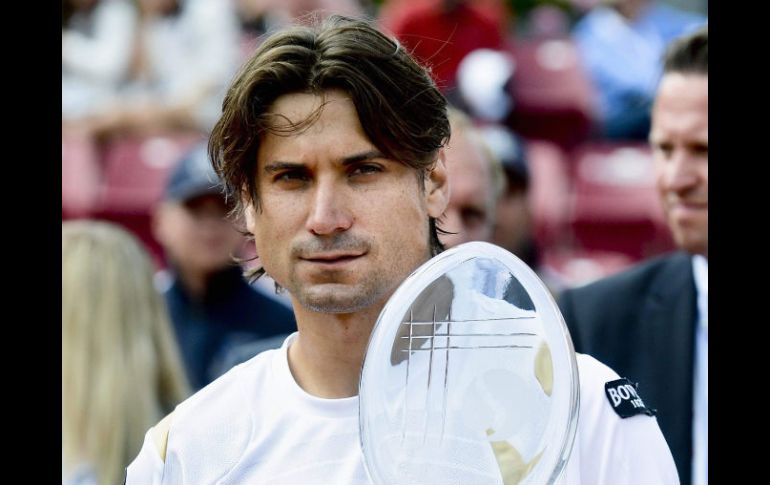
(679, 137)
(471, 212)
(196, 233)
(339, 225)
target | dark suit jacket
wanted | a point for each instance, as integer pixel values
(642, 324)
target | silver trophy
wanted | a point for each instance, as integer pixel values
(469, 376)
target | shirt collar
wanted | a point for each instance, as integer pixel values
(700, 267)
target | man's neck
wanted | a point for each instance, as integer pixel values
(325, 358)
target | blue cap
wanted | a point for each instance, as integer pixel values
(193, 177)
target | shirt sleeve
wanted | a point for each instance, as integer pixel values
(147, 467)
(613, 450)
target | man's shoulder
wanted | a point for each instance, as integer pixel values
(618, 438)
(606, 396)
(593, 374)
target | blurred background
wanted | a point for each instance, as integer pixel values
(572, 80)
(560, 92)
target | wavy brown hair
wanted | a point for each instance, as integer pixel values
(400, 108)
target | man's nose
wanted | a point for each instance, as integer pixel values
(330, 211)
(680, 171)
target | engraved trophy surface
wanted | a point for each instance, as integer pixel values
(469, 376)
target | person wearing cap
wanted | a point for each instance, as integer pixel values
(213, 308)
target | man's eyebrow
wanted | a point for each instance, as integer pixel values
(279, 166)
(363, 156)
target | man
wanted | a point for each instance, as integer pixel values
(213, 308)
(333, 137)
(650, 323)
(477, 182)
(489, 176)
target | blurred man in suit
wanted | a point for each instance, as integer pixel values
(650, 323)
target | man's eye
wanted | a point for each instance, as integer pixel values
(292, 176)
(664, 148)
(366, 169)
(700, 150)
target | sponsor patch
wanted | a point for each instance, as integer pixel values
(625, 399)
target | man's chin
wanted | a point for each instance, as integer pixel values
(692, 244)
(336, 298)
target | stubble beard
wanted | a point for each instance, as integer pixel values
(343, 298)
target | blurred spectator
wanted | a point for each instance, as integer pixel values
(476, 182)
(489, 193)
(548, 21)
(121, 369)
(622, 43)
(183, 55)
(513, 220)
(260, 16)
(439, 33)
(97, 44)
(212, 306)
(651, 322)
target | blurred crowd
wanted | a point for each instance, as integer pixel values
(548, 158)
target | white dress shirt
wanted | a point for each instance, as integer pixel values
(700, 424)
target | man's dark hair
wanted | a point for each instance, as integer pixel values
(689, 54)
(400, 109)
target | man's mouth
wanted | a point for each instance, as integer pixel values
(332, 258)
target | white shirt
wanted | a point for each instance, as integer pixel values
(256, 425)
(700, 424)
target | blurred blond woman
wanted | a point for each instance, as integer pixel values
(121, 370)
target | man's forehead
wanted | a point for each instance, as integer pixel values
(683, 90)
(294, 108)
(681, 105)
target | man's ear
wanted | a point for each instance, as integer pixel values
(249, 216)
(437, 187)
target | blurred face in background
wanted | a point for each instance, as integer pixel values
(471, 210)
(513, 228)
(679, 138)
(196, 234)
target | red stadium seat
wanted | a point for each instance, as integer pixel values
(549, 193)
(135, 173)
(136, 170)
(81, 175)
(552, 94)
(616, 206)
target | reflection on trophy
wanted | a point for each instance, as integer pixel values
(470, 377)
